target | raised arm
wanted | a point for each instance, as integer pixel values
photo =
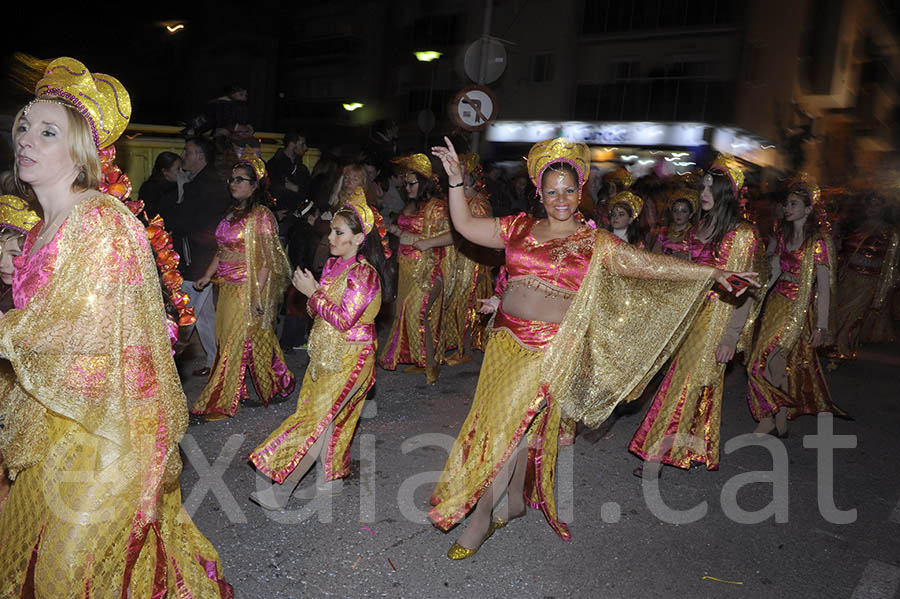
(478, 230)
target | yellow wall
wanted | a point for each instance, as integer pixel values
(137, 149)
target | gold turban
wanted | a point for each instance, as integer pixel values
(730, 166)
(470, 162)
(249, 156)
(360, 207)
(16, 214)
(545, 153)
(418, 163)
(99, 98)
(688, 195)
(632, 200)
(620, 176)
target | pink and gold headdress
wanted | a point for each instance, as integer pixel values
(100, 99)
(804, 181)
(633, 201)
(357, 203)
(727, 164)
(16, 214)
(249, 156)
(688, 195)
(418, 163)
(551, 151)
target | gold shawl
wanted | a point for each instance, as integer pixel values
(92, 346)
(263, 250)
(629, 315)
(796, 320)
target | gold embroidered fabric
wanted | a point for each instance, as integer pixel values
(629, 315)
(263, 250)
(795, 323)
(327, 347)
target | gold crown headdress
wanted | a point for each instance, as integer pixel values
(545, 153)
(632, 200)
(727, 164)
(470, 162)
(418, 163)
(357, 203)
(249, 156)
(688, 195)
(620, 176)
(100, 99)
(804, 181)
(16, 214)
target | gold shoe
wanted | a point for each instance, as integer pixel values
(457, 551)
(432, 374)
(413, 369)
(457, 359)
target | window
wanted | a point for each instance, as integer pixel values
(542, 67)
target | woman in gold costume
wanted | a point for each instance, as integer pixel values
(870, 251)
(555, 348)
(91, 434)
(785, 378)
(252, 273)
(682, 425)
(624, 211)
(341, 367)
(672, 238)
(471, 281)
(424, 229)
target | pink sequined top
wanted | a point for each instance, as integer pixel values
(701, 252)
(673, 245)
(232, 249)
(430, 221)
(33, 272)
(363, 286)
(560, 263)
(872, 247)
(792, 261)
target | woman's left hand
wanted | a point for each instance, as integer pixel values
(721, 277)
(422, 245)
(817, 338)
(305, 282)
(724, 353)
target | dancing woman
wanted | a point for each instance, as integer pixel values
(252, 273)
(785, 378)
(539, 344)
(341, 367)
(97, 393)
(415, 337)
(682, 425)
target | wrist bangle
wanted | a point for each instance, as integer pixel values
(452, 186)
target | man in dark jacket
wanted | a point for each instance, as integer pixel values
(202, 206)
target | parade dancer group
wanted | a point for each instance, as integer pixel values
(582, 320)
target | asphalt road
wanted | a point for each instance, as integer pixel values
(814, 535)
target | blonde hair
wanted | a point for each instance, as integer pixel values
(82, 151)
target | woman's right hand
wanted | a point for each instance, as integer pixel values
(201, 283)
(449, 158)
(489, 305)
(304, 282)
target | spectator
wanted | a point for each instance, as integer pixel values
(288, 176)
(159, 193)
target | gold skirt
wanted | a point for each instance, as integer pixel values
(509, 403)
(68, 530)
(318, 405)
(855, 323)
(241, 346)
(473, 282)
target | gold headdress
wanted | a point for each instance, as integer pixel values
(805, 182)
(727, 164)
(545, 153)
(470, 162)
(249, 156)
(16, 214)
(99, 98)
(688, 195)
(620, 176)
(418, 163)
(633, 201)
(357, 203)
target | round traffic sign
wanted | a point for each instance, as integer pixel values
(473, 108)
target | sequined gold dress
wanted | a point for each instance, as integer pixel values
(683, 422)
(340, 373)
(91, 429)
(788, 318)
(533, 368)
(867, 275)
(470, 282)
(245, 338)
(418, 273)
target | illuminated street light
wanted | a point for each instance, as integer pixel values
(352, 106)
(427, 55)
(174, 28)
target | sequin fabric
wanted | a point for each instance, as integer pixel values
(791, 264)
(245, 336)
(341, 372)
(117, 527)
(674, 243)
(418, 273)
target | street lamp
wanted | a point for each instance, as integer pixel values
(427, 55)
(350, 107)
(173, 27)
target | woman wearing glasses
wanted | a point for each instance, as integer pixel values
(252, 272)
(415, 336)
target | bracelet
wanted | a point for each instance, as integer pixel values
(452, 186)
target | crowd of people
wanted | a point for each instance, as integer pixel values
(581, 288)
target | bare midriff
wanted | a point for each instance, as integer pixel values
(532, 298)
